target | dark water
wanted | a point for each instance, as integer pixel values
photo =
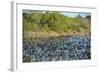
(57, 49)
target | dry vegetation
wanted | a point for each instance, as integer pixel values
(45, 34)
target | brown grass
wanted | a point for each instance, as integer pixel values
(45, 34)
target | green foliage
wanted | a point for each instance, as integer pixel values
(53, 21)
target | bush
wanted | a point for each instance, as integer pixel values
(53, 21)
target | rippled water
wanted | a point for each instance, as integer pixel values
(57, 49)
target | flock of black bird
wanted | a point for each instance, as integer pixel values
(57, 49)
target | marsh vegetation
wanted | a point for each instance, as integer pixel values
(56, 36)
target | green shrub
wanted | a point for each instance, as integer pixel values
(53, 21)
